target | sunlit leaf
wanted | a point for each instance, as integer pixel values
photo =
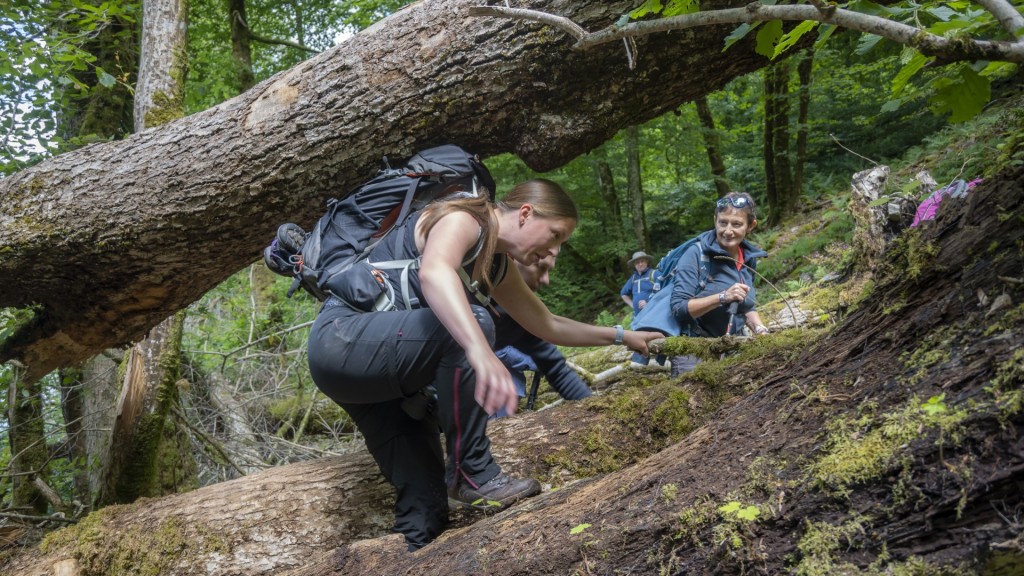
(824, 33)
(791, 37)
(677, 7)
(105, 78)
(730, 507)
(579, 528)
(767, 36)
(750, 513)
(648, 7)
(867, 42)
(912, 67)
(941, 12)
(999, 69)
(935, 405)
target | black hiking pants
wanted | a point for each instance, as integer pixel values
(369, 363)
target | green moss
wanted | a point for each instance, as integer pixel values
(1007, 388)
(932, 351)
(1002, 562)
(634, 423)
(1007, 320)
(289, 412)
(910, 256)
(822, 545)
(694, 519)
(102, 544)
(864, 448)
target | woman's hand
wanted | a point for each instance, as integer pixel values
(637, 341)
(494, 386)
(736, 293)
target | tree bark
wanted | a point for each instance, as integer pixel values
(241, 50)
(635, 189)
(151, 373)
(713, 145)
(73, 408)
(196, 199)
(803, 71)
(778, 168)
(27, 437)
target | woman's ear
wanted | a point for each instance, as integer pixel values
(524, 213)
(753, 224)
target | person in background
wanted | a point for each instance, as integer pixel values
(637, 291)
(519, 350)
(702, 302)
(384, 366)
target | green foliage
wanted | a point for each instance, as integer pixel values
(861, 449)
(48, 57)
(737, 511)
(578, 529)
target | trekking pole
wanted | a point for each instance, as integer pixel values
(733, 307)
(774, 287)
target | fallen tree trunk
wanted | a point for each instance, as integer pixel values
(279, 518)
(110, 239)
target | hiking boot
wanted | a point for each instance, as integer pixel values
(290, 238)
(502, 489)
(277, 264)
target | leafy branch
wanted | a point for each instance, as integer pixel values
(934, 34)
(946, 49)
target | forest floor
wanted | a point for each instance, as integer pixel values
(885, 437)
(889, 444)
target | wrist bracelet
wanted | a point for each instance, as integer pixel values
(619, 333)
(721, 298)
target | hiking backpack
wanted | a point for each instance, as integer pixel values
(356, 222)
(665, 271)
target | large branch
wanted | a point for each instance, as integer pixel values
(112, 238)
(946, 49)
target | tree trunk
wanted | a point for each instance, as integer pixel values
(100, 387)
(73, 408)
(635, 188)
(781, 199)
(241, 51)
(149, 390)
(803, 71)
(713, 145)
(197, 199)
(151, 373)
(606, 184)
(27, 438)
(771, 188)
(104, 112)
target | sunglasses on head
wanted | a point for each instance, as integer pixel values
(735, 202)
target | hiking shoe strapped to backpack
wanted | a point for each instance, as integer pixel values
(502, 489)
(284, 255)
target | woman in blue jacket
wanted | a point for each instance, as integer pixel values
(717, 271)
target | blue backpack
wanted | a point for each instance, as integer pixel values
(665, 272)
(657, 314)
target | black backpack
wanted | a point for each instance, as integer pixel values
(355, 223)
